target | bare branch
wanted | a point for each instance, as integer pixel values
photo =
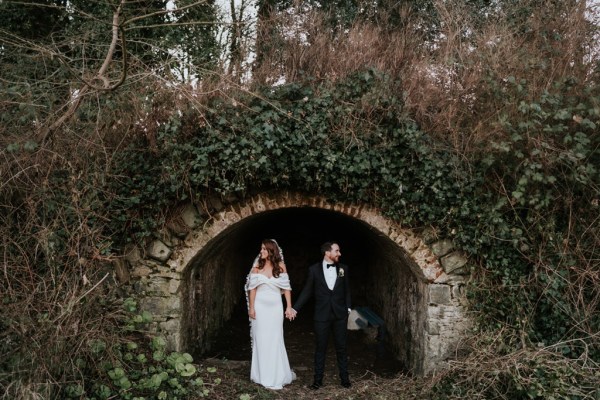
(162, 12)
(101, 73)
(174, 24)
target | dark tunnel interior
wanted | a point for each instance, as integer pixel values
(300, 231)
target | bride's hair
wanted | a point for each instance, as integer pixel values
(273, 255)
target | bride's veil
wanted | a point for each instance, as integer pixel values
(252, 266)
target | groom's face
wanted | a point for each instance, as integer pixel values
(334, 254)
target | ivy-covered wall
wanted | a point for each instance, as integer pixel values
(354, 141)
(191, 285)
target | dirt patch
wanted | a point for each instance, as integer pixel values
(368, 367)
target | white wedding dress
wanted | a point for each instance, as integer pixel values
(270, 364)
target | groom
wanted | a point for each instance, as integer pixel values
(328, 282)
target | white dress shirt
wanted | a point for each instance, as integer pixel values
(330, 275)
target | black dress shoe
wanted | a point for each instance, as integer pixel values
(346, 384)
(316, 385)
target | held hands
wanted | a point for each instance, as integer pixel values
(290, 313)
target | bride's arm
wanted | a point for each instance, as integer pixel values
(251, 297)
(288, 299)
(290, 313)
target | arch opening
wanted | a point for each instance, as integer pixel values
(381, 276)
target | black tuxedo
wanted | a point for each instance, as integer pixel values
(331, 314)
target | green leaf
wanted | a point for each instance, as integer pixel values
(185, 369)
(116, 373)
(158, 343)
(74, 391)
(158, 355)
(97, 346)
(146, 317)
(123, 383)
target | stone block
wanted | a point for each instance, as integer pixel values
(141, 271)
(458, 291)
(231, 217)
(377, 222)
(272, 203)
(454, 262)
(442, 247)
(168, 238)
(122, 270)
(435, 346)
(245, 211)
(433, 328)
(443, 312)
(408, 243)
(230, 198)
(161, 306)
(166, 272)
(450, 279)
(219, 224)
(173, 342)
(159, 251)
(171, 326)
(429, 235)
(394, 233)
(177, 229)
(156, 285)
(132, 254)
(174, 286)
(215, 203)
(259, 205)
(439, 294)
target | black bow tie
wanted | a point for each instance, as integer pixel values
(330, 265)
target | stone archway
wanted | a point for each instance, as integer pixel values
(191, 281)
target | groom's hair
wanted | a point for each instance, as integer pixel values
(325, 247)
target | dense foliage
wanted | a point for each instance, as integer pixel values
(354, 141)
(136, 367)
(349, 141)
(534, 235)
(497, 149)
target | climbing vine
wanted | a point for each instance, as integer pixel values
(336, 140)
(516, 208)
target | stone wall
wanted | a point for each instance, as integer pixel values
(399, 299)
(185, 279)
(446, 320)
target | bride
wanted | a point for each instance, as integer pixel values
(267, 280)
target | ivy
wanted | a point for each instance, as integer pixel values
(354, 141)
(137, 368)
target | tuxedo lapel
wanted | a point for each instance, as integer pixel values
(320, 273)
(337, 276)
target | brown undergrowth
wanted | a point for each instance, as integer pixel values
(452, 85)
(59, 290)
(235, 384)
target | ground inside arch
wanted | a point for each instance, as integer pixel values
(231, 347)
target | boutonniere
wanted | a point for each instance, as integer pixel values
(341, 273)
